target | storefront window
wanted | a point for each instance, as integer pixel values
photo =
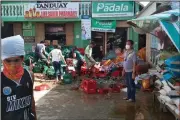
(55, 32)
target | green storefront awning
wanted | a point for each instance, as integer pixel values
(149, 23)
(173, 31)
(169, 20)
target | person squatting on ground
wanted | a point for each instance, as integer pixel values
(17, 100)
(80, 60)
(129, 66)
(40, 52)
(57, 58)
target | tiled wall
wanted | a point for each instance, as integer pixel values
(69, 33)
(40, 32)
(17, 28)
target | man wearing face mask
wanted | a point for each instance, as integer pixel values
(17, 100)
(129, 65)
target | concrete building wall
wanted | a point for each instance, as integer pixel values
(69, 27)
(148, 48)
(40, 32)
(17, 28)
(122, 24)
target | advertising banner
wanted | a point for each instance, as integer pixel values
(113, 9)
(103, 25)
(86, 29)
(52, 10)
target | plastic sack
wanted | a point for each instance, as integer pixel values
(176, 101)
(38, 68)
(173, 62)
(67, 78)
(166, 99)
(146, 84)
(163, 92)
(110, 55)
(165, 55)
(158, 84)
(177, 111)
(50, 72)
(49, 48)
(167, 89)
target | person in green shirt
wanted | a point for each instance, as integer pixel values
(80, 60)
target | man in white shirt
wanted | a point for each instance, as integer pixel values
(57, 57)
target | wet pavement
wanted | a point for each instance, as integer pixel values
(61, 103)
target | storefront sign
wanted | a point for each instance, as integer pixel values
(103, 25)
(52, 10)
(113, 9)
(86, 29)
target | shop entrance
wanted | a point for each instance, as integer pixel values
(55, 32)
(106, 42)
(99, 39)
(117, 39)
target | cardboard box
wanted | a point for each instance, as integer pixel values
(55, 42)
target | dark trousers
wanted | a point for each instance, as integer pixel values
(40, 56)
(78, 68)
(57, 68)
(131, 90)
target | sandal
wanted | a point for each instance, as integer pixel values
(125, 98)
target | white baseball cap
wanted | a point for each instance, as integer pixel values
(12, 47)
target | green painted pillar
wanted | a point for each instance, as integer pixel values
(135, 37)
(77, 36)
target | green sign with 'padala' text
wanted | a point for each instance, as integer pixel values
(103, 25)
(113, 9)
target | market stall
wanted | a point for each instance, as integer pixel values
(166, 27)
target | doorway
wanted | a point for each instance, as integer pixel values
(7, 30)
(142, 41)
(55, 32)
(117, 39)
(99, 39)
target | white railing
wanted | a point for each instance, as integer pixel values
(85, 8)
(12, 10)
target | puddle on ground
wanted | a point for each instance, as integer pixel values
(75, 104)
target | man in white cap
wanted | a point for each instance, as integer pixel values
(17, 101)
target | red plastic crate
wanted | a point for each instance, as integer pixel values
(116, 73)
(89, 86)
(81, 50)
(103, 90)
(83, 70)
(42, 87)
(101, 75)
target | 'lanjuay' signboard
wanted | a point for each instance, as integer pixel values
(52, 10)
(113, 9)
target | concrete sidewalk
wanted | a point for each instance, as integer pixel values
(39, 94)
